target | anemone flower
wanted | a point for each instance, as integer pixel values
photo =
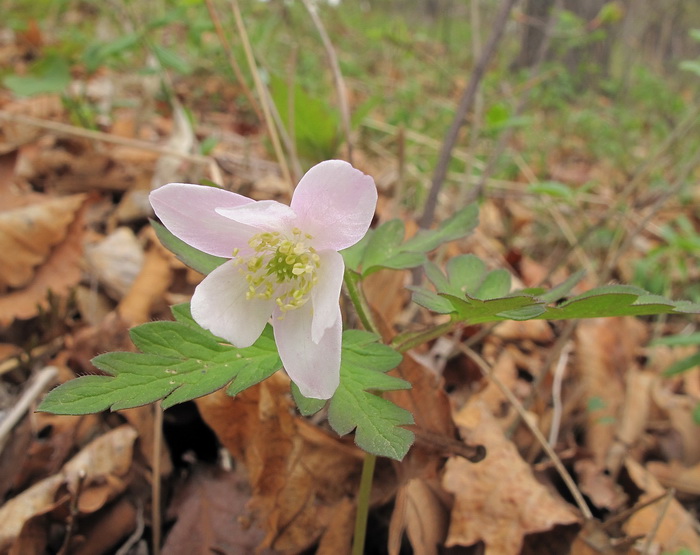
(284, 264)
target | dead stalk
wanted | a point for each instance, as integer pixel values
(262, 94)
(214, 16)
(337, 75)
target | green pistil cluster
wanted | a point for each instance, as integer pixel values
(282, 268)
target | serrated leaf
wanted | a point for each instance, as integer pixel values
(464, 273)
(377, 422)
(496, 284)
(195, 259)
(306, 405)
(384, 246)
(459, 225)
(178, 362)
(608, 301)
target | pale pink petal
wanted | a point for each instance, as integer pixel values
(189, 212)
(335, 203)
(219, 305)
(325, 296)
(264, 215)
(314, 367)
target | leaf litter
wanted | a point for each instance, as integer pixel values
(73, 237)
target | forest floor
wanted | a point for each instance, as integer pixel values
(80, 265)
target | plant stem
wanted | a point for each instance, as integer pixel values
(364, 312)
(358, 541)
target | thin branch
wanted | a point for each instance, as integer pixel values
(39, 384)
(468, 98)
(71, 130)
(264, 99)
(337, 75)
(503, 140)
(214, 16)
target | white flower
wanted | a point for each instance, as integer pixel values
(284, 264)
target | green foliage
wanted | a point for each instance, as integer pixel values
(475, 295)
(377, 422)
(684, 364)
(195, 259)
(315, 124)
(675, 261)
(384, 247)
(48, 75)
(179, 361)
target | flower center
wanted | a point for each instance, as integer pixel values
(283, 268)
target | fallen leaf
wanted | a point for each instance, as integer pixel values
(149, 287)
(28, 235)
(674, 527)
(298, 474)
(422, 512)
(211, 515)
(115, 261)
(99, 468)
(606, 349)
(58, 273)
(498, 500)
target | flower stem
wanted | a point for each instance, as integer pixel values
(364, 312)
(358, 541)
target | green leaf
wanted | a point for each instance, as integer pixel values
(554, 189)
(316, 123)
(384, 246)
(306, 405)
(178, 362)
(50, 75)
(384, 250)
(460, 225)
(377, 422)
(477, 296)
(171, 60)
(681, 366)
(195, 259)
(495, 284)
(679, 340)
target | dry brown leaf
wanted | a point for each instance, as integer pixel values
(57, 273)
(386, 293)
(337, 538)
(680, 411)
(676, 527)
(148, 288)
(298, 474)
(499, 500)
(103, 534)
(100, 469)
(421, 511)
(675, 475)
(634, 418)
(115, 261)
(28, 235)
(606, 349)
(141, 418)
(211, 515)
